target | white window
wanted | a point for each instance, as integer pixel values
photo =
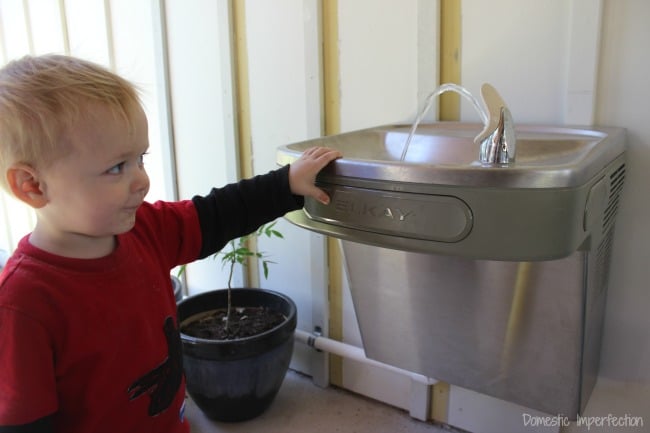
(122, 35)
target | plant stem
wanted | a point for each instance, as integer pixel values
(232, 269)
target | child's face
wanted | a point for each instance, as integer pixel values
(94, 191)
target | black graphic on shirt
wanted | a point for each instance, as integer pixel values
(162, 382)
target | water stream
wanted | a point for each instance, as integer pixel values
(428, 102)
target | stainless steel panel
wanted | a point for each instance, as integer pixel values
(512, 330)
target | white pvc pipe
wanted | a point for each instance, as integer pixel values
(355, 353)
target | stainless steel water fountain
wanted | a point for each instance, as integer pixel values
(490, 274)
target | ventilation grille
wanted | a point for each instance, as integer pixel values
(604, 250)
(616, 180)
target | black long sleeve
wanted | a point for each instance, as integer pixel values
(41, 425)
(240, 208)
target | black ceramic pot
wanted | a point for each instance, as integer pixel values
(236, 380)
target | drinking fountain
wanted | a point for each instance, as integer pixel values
(477, 254)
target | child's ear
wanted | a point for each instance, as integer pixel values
(25, 184)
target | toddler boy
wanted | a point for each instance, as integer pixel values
(86, 304)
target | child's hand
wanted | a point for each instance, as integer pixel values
(303, 171)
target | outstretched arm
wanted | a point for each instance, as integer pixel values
(240, 208)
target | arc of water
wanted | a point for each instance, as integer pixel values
(428, 102)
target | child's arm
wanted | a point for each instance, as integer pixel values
(240, 208)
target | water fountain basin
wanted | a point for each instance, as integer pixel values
(441, 199)
(445, 153)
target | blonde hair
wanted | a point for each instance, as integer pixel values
(42, 97)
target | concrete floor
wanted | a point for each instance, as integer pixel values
(302, 407)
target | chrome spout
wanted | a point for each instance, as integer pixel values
(499, 145)
(497, 141)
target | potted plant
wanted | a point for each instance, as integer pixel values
(237, 342)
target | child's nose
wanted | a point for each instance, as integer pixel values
(140, 181)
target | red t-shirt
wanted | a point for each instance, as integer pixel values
(95, 342)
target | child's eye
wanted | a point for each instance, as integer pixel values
(116, 169)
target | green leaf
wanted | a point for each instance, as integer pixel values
(265, 266)
(237, 250)
(243, 251)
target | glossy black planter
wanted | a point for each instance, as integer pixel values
(236, 380)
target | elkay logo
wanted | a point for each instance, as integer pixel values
(350, 207)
